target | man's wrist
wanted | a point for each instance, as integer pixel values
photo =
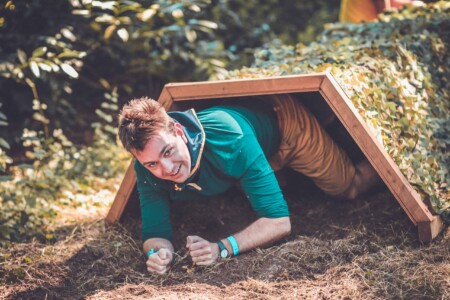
(234, 245)
(151, 251)
(227, 245)
(222, 250)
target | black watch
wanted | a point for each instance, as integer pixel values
(223, 251)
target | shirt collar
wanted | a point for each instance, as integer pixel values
(195, 136)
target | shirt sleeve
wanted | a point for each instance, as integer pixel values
(155, 210)
(234, 149)
(258, 180)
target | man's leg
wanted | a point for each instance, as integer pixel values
(364, 180)
(308, 149)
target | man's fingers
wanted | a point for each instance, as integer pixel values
(201, 251)
(190, 239)
(204, 260)
(165, 255)
(159, 271)
(159, 262)
(155, 267)
(199, 245)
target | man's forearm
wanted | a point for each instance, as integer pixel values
(157, 243)
(262, 232)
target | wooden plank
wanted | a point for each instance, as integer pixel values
(165, 99)
(429, 230)
(408, 198)
(123, 195)
(245, 87)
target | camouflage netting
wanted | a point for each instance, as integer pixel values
(396, 71)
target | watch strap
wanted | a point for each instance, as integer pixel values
(234, 245)
(221, 248)
(151, 251)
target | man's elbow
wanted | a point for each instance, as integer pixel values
(284, 226)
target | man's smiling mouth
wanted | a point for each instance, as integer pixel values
(177, 172)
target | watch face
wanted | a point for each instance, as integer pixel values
(224, 253)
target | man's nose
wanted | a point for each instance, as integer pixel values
(167, 166)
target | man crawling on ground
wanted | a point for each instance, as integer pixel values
(185, 155)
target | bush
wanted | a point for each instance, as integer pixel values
(64, 64)
(58, 168)
(74, 51)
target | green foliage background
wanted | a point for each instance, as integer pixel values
(396, 73)
(67, 66)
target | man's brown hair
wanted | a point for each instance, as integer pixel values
(139, 120)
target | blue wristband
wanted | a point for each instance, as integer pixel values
(234, 245)
(151, 251)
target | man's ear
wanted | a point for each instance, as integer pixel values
(179, 131)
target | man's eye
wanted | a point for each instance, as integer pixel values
(168, 152)
(151, 165)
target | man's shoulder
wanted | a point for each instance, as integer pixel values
(220, 122)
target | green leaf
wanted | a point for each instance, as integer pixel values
(25, 166)
(172, 7)
(45, 67)
(39, 153)
(39, 52)
(147, 14)
(40, 117)
(391, 105)
(31, 201)
(109, 106)
(81, 12)
(191, 35)
(71, 54)
(68, 34)
(35, 69)
(69, 70)
(49, 173)
(4, 144)
(109, 31)
(104, 116)
(22, 56)
(123, 34)
(207, 24)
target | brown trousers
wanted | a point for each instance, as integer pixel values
(308, 149)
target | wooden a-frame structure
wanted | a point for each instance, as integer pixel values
(428, 225)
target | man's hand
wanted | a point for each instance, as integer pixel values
(159, 262)
(202, 252)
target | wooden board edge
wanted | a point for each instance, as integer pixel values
(165, 98)
(123, 195)
(245, 87)
(428, 231)
(243, 80)
(407, 197)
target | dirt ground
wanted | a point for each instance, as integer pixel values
(367, 249)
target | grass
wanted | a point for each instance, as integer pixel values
(367, 249)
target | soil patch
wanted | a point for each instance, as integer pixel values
(366, 249)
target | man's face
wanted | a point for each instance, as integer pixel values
(166, 155)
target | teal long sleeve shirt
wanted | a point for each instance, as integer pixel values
(237, 144)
